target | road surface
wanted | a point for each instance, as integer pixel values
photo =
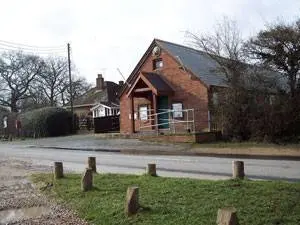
(171, 166)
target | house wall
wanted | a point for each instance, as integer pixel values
(188, 90)
(99, 112)
(82, 111)
(102, 111)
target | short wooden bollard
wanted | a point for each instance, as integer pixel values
(87, 180)
(132, 201)
(151, 169)
(92, 163)
(238, 169)
(58, 170)
(227, 216)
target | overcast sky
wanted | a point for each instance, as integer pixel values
(108, 34)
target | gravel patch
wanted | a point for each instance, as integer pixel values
(20, 201)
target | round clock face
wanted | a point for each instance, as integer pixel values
(156, 51)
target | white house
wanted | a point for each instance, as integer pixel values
(105, 109)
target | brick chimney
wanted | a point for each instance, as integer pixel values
(121, 83)
(99, 82)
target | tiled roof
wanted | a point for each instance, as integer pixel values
(199, 62)
(95, 96)
(4, 109)
(206, 68)
(157, 82)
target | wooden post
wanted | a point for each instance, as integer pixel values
(151, 169)
(132, 201)
(227, 216)
(87, 180)
(58, 170)
(92, 163)
(238, 169)
(155, 111)
(132, 113)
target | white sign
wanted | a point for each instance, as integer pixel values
(177, 107)
(143, 113)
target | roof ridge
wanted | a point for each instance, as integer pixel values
(183, 46)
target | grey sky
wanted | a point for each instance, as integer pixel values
(108, 34)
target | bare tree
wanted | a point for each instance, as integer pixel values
(53, 79)
(236, 109)
(17, 71)
(79, 87)
(225, 46)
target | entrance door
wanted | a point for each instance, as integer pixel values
(162, 106)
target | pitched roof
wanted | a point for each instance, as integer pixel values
(4, 109)
(157, 82)
(94, 96)
(105, 104)
(199, 62)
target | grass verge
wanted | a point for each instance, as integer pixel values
(178, 201)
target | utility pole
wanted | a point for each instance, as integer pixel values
(71, 88)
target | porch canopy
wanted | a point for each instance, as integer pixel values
(148, 85)
(149, 81)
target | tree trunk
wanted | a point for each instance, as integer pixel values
(13, 105)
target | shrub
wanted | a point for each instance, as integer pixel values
(46, 122)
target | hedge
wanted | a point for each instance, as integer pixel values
(46, 122)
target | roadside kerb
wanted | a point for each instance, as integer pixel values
(176, 153)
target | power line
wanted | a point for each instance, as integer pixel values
(29, 49)
(31, 46)
(33, 51)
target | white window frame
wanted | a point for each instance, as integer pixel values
(158, 63)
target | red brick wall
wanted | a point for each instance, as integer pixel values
(188, 90)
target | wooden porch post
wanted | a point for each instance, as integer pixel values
(132, 113)
(154, 110)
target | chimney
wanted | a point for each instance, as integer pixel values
(121, 83)
(99, 82)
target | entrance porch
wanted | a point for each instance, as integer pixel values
(152, 109)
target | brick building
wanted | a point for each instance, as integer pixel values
(103, 95)
(170, 89)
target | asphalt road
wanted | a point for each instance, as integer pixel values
(171, 166)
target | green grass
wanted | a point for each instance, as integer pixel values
(178, 201)
(246, 145)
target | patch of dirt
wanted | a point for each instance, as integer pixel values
(271, 151)
(21, 203)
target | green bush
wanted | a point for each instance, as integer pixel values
(46, 122)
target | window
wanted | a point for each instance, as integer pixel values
(177, 107)
(143, 111)
(157, 63)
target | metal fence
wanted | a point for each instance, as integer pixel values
(169, 119)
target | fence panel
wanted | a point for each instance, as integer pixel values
(107, 124)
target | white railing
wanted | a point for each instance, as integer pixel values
(185, 123)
